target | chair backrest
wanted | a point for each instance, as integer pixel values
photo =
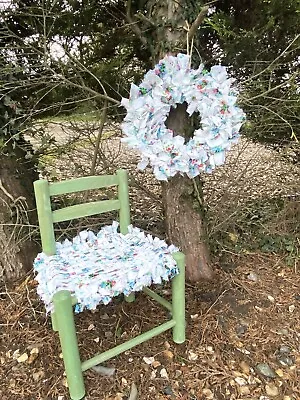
(44, 190)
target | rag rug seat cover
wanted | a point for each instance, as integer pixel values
(97, 267)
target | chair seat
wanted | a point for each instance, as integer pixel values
(97, 267)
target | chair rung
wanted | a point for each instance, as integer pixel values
(158, 298)
(100, 358)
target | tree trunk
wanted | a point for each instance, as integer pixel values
(182, 196)
(17, 215)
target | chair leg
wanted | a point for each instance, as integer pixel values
(178, 299)
(130, 298)
(53, 322)
(64, 319)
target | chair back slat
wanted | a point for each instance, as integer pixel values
(85, 210)
(82, 184)
(44, 190)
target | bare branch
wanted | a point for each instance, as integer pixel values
(99, 137)
(133, 24)
(198, 21)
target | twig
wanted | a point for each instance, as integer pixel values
(99, 136)
(198, 21)
(134, 26)
(143, 17)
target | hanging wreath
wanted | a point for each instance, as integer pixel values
(173, 82)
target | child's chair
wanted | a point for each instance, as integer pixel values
(61, 288)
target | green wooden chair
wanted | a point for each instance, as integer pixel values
(62, 314)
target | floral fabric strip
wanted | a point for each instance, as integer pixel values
(95, 268)
(173, 82)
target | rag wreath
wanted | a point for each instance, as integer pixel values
(172, 82)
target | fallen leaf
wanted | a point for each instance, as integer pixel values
(192, 356)
(37, 376)
(168, 354)
(156, 364)
(164, 374)
(105, 371)
(272, 390)
(133, 392)
(22, 358)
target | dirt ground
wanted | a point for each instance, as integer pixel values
(242, 342)
(243, 329)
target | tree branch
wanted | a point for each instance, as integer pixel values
(134, 26)
(198, 21)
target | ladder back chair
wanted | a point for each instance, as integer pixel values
(63, 300)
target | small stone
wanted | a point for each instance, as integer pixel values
(292, 308)
(265, 370)
(22, 358)
(271, 299)
(208, 394)
(285, 360)
(241, 329)
(90, 327)
(164, 374)
(240, 381)
(284, 349)
(271, 390)
(168, 391)
(252, 276)
(148, 360)
(192, 356)
(210, 349)
(37, 376)
(244, 367)
(96, 340)
(194, 316)
(167, 345)
(168, 354)
(178, 373)
(124, 382)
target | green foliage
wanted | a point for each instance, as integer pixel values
(260, 44)
(9, 124)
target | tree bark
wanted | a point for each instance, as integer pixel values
(17, 215)
(184, 211)
(182, 196)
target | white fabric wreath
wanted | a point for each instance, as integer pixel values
(172, 82)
